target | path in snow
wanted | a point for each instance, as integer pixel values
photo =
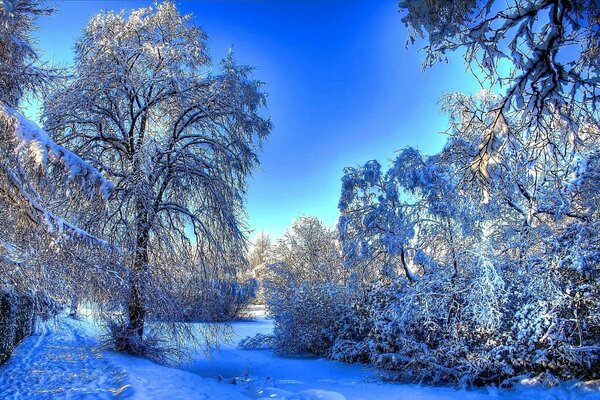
(61, 360)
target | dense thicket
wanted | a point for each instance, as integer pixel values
(444, 280)
(302, 286)
(486, 284)
(17, 320)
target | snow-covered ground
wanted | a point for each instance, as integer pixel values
(63, 360)
(261, 374)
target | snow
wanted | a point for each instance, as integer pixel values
(29, 134)
(61, 360)
(64, 360)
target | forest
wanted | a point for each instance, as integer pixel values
(125, 244)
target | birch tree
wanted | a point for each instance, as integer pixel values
(177, 140)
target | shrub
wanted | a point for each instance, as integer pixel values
(118, 336)
(219, 300)
(306, 317)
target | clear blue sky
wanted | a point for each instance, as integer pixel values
(342, 90)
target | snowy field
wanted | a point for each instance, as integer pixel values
(63, 360)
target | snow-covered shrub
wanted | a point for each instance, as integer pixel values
(474, 271)
(554, 325)
(237, 297)
(304, 288)
(117, 337)
(350, 351)
(257, 342)
(306, 317)
(218, 299)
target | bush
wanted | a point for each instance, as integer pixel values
(219, 300)
(432, 331)
(306, 317)
(257, 342)
(118, 336)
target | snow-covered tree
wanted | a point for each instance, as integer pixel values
(20, 68)
(308, 252)
(479, 286)
(43, 186)
(177, 140)
(259, 254)
(545, 53)
(259, 250)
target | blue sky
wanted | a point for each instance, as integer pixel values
(342, 90)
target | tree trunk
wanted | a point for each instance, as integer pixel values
(455, 305)
(74, 306)
(137, 312)
(136, 308)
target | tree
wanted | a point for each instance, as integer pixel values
(506, 277)
(178, 142)
(20, 69)
(43, 186)
(549, 50)
(259, 255)
(308, 252)
(260, 250)
(304, 287)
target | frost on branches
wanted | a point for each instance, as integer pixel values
(507, 279)
(304, 287)
(176, 138)
(43, 186)
(543, 53)
(20, 69)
